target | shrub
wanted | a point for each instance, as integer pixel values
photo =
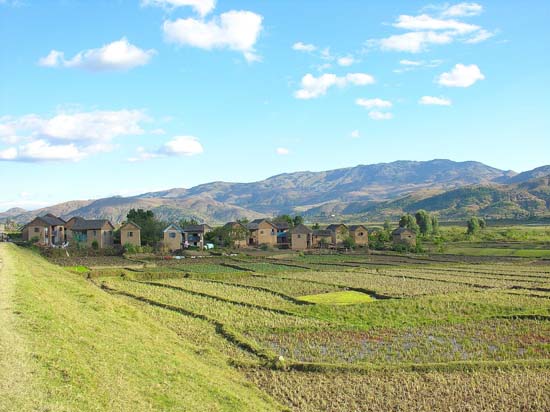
(95, 245)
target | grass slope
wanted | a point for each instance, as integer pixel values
(67, 346)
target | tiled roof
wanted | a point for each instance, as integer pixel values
(196, 228)
(400, 230)
(51, 220)
(353, 228)
(173, 226)
(322, 232)
(301, 229)
(84, 224)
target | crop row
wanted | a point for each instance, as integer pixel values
(238, 316)
(488, 340)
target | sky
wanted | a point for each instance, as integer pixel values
(121, 97)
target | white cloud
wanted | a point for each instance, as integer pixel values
(183, 146)
(378, 115)
(41, 150)
(463, 10)
(299, 46)
(346, 61)
(178, 146)
(202, 7)
(313, 87)
(118, 55)
(68, 136)
(424, 30)
(355, 134)
(234, 30)
(414, 42)
(425, 22)
(461, 76)
(480, 36)
(372, 103)
(8, 154)
(282, 151)
(410, 63)
(437, 101)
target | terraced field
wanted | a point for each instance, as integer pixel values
(339, 332)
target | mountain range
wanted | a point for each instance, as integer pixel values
(453, 189)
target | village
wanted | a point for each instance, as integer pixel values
(52, 231)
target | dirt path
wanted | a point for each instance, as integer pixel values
(15, 371)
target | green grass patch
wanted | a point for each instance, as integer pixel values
(346, 297)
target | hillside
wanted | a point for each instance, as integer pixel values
(455, 189)
(66, 345)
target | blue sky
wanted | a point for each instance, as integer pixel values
(123, 97)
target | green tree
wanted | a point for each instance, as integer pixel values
(409, 221)
(285, 218)
(473, 226)
(316, 226)
(151, 228)
(349, 242)
(424, 222)
(435, 225)
(387, 225)
(298, 220)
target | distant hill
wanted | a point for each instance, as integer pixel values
(365, 191)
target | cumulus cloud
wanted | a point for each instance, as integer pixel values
(461, 76)
(414, 42)
(313, 87)
(436, 101)
(346, 61)
(202, 7)
(118, 55)
(234, 30)
(378, 115)
(425, 30)
(372, 103)
(463, 10)
(355, 134)
(67, 136)
(183, 146)
(299, 46)
(282, 151)
(179, 146)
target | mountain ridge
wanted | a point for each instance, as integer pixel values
(380, 189)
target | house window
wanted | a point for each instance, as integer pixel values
(95, 232)
(36, 229)
(261, 232)
(172, 235)
(361, 233)
(130, 234)
(299, 236)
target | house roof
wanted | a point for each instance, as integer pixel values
(51, 220)
(231, 225)
(173, 226)
(353, 228)
(130, 224)
(322, 232)
(401, 230)
(281, 224)
(84, 224)
(334, 227)
(196, 228)
(71, 222)
(301, 229)
(255, 223)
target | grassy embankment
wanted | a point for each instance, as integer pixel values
(67, 346)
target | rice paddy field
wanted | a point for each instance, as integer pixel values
(300, 333)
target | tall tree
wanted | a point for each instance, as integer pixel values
(424, 222)
(151, 228)
(409, 221)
